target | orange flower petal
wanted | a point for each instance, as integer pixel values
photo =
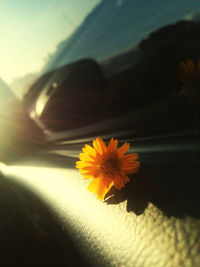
(86, 157)
(123, 149)
(133, 169)
(100, 187)
(125, 178)
(189, 72)
(132, 156)
(99, 145)
(92, 187)
(112, 146)
(119, 182)
(190, 65)
(89, 150)
(102, 144)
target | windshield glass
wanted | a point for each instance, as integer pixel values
(31, 30)
(38, 36)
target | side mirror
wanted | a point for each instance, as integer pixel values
(69, 97)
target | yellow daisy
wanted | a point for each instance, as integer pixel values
(106, 165)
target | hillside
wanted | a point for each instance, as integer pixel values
(115, 26)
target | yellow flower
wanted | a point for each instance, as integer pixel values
(189, 71)
(189, 74)
(106, 165)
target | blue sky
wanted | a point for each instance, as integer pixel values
(31, 29)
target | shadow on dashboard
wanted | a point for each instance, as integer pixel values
(169, 181)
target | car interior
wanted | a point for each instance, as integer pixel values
(122, 69)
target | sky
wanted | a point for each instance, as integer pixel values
(31, 30)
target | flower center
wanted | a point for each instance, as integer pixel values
(110, 165)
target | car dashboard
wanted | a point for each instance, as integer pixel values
(146, 95)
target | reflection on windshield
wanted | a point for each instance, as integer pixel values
(30, 33)
(49, 34)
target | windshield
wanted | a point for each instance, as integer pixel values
(38, 36)
(31, 30)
